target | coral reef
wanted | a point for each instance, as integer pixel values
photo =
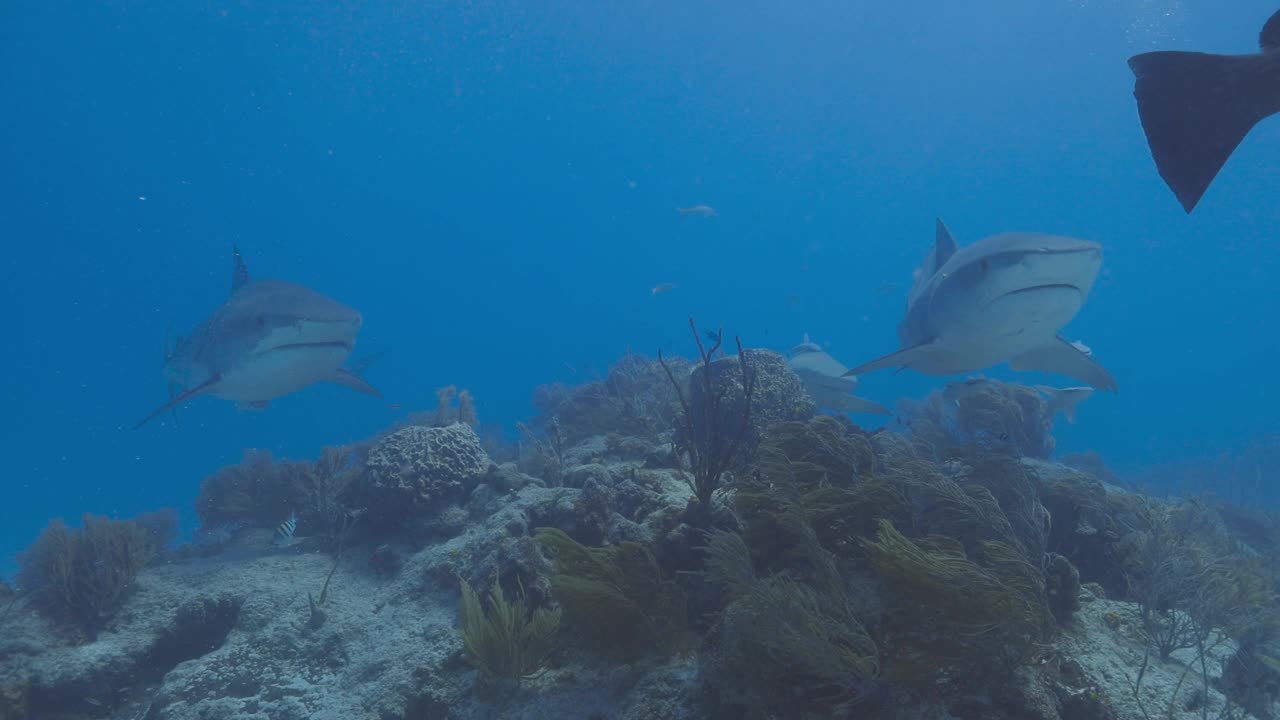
(506, 639)
(419, 470)
(939, 571)
(634, 399)
(615, 598)
(83, 576)
(258, 491)
(784, 646)
(985, 412)
(714, 425)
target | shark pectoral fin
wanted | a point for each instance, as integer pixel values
(1060, 356)
(902, 358)
(173, 391)
(200, 389)
(355, 382)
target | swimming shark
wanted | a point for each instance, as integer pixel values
(1063, 400)
(1197, 107)
(1001, 299)
(825, 381)
(270, 338)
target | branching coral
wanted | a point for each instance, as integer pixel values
(615, 597)
(710, 429)
(83, 576)
(508, 639)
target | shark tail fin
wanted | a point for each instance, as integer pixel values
(1196, 108)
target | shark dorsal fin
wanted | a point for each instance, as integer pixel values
(239, 272)
(944, 246)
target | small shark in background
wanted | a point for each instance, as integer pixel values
(1001, 299)
(270, 338)
(825, 380)
(1197, 107)
(1063, 400)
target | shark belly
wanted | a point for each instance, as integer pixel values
(280, 372)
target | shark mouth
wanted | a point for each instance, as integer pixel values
(310, 346)
(1038, 288)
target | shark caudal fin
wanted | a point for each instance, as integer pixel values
(1196, 108)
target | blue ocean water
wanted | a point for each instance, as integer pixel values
(494, 186)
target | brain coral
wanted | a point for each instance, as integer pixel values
(423, 467)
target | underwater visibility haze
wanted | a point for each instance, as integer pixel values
(703, 352)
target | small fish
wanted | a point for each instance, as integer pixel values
(662, 287)
(284, 531)
(714, 335)
(698, 211)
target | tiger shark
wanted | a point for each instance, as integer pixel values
(269, 339)
(825, 381)
(1001, 299)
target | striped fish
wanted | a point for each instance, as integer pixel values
(284, 531)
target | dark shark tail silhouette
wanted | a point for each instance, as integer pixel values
(1196, 108)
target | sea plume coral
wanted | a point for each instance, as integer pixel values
(82, 576)
(952, 613)
(784, 645)
(615, 597)
(507, 639)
